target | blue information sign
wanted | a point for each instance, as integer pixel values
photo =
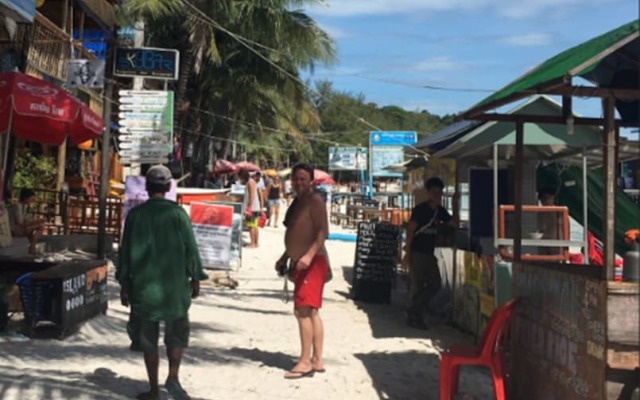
(386, 149)
(392, 138)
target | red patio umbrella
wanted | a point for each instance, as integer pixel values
(249, 166)
(39, 111)
(322, 177)
(224, 167)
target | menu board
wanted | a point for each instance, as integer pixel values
(377, 249)
(559, 332)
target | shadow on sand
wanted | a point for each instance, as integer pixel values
(418, 377)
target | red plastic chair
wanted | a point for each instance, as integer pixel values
(489, 353)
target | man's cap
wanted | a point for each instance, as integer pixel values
(159, 174)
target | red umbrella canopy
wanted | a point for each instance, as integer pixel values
(320, 177)
(42, 112)
(224, 167)
(249, 166)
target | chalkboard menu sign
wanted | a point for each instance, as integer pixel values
(559, 337)
(376, 257)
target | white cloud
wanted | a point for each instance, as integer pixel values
(529, 39)
(508, 8)
(439, 64)
(334, 31)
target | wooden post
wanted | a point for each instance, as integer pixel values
(517, 239)
(609, 212)
(62, 157)
(105, 156)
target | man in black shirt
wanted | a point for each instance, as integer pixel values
(427, 220)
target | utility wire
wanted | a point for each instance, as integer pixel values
(244, 42)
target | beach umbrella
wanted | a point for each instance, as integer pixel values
(249, 166)
(285, 172)
(39, 111)
(224, 167)
(270, 172)
(322, 177)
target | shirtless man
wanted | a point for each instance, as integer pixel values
(307, 229)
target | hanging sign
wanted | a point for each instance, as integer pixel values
(147, 63)
(86, 73)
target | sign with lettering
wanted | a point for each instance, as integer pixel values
(146, 126)
(347, 158)
(236, 227)
(377, 250)
(387, 149)
(147, 62)
(78, 292)
(558, 333)
(212, 227)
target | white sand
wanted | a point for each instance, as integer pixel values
(242, 342)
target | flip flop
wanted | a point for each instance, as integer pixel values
(175, 390)
(320, 370)
(299, 374)
(146, 396)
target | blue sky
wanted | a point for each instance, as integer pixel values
(389, 48)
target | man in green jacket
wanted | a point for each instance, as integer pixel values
(159, 270)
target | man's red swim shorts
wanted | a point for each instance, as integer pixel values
(309, 283)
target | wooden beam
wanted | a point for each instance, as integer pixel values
(609, 212)
(550, 119)
(551, 85)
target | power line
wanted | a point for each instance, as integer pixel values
(244, 42)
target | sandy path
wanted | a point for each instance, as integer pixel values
(242, 342)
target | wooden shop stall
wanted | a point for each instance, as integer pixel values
(575, 329)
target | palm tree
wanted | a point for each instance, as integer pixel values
(228, 49)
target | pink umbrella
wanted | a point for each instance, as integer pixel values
(249, 166)
(322, 177)
(224, 167)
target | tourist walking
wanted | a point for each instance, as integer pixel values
(159, 270)
(252, 207)
(274, 197)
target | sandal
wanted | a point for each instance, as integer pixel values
(175, 390)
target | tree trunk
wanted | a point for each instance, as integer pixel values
(226, 145)
(186, 68)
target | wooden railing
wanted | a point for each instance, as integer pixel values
(66, 214)
(50, 48)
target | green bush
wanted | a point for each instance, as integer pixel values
(35, 172)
